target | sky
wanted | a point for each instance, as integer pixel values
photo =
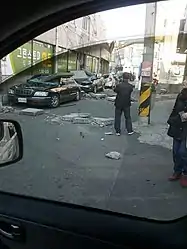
(130, 21)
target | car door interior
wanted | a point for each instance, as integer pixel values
(27, 222)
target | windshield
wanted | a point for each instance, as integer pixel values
(80, 74)
(42, 82)
(111, 141)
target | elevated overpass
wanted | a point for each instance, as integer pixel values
(121, 42)
(93, 48)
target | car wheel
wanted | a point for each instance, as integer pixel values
(78, 96)
(95, 89)
(55, 101)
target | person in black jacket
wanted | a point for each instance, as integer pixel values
(178, 131)
(122, 104)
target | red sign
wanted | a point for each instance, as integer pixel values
(146, 69)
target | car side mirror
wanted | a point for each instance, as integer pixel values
(11, 142)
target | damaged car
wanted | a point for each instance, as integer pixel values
(49, 91)
(88, 81)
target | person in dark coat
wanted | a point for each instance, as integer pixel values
(178, 131)
(123, 104)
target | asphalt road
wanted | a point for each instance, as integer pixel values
(60, 164)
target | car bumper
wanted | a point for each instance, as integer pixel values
(43, 101)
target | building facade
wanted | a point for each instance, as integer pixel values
(166, 58)
(61, 49)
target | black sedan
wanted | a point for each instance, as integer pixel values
(46, 91)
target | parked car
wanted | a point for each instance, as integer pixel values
(88, 81)
(46, 91)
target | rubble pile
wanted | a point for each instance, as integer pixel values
(57, 120)
(102, 121)
(163, 91)
(98, 95)
(80, 118)
(6, 109)
(112, 99)
(109, 93)
(72, 116)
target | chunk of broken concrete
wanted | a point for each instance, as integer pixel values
(31, 111)
(98, 95)
(163, 91)
(113, 155)
(110, 93)
(6, 109)
(103, 121)
(56, 120)
(109, 133)
(70, 117)
(112, 99)
(87, 95)
(80, 120)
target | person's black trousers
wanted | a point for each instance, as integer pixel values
(128, 121)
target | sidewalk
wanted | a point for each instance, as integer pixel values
(142, 187)
(156, 132)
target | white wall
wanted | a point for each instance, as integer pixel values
(73, 34)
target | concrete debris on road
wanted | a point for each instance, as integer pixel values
(109, 92)
(113, 155)
(57, 120)
(86, 118)
(31, 111)
(6, 109)
(163, 91)
(87, 96)
(70, 117)
(80, 120)
(112, 99)
(98, 95)
(109, 133)
(103, 121)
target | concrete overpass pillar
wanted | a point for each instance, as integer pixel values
(147, 64)
(56, 51)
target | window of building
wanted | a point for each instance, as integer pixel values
(86, 22)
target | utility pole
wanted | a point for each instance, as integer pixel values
(147, 64)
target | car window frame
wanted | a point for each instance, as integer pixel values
(3, 131)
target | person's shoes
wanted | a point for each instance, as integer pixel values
(175, 177)
(118, 134)
(130, 133)
(183, 181)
